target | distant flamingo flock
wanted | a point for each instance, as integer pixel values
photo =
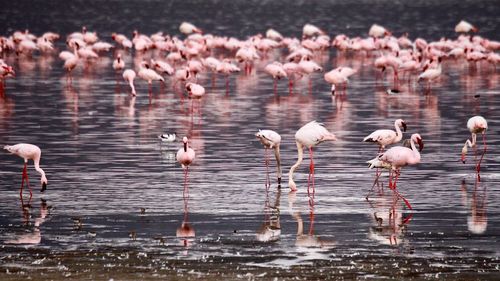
(183, 60)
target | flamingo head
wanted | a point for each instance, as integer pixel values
(402, 124)
(464, 152)
(418, 139)
(44, 184)
(333, 90)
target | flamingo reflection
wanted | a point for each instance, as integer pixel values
(309, 240)
(477, 220)
(35, 236)
(270, 230)
(389, 224)
(185, 231)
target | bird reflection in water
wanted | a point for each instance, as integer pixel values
(185, 231)
(33, 237)
(389, 224)
(270, 230)
(309, 240)
(477, 220)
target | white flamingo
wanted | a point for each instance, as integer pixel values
(310, 135)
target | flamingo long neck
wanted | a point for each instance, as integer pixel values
(185, 147)
(36, 160)
(416, 154)
(299, 160)
(131, 83)
(278, 160)
(399, 134)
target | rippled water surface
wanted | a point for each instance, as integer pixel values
(117, 199)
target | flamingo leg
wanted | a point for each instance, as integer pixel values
(404, 199)
(275, 84)
(266, 160)
(311, 169)
(290, 86)
(22, 182)
(478, 166)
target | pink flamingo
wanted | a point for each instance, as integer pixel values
(185, 156)
(118, 63)
(28, 152)
(310, 135)
(271, 140)
(397, 157)
(386, 137)
(476, 125)
(430, 74)
(276, 70)
(464, 27)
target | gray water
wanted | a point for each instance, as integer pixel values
(115, 191)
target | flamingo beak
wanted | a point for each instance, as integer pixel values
(420, 144)
(44, 187)
(404, 127)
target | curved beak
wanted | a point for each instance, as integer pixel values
(404, 127)
(420, 144)
(44, 187)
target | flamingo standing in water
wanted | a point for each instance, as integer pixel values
(118, 63)
(476, 125)
(310, 135)
(28, 152)
(185, 155)
(271, 139)
(276, 70)
(397, 157)
(386, 137)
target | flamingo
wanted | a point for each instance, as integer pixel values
(28, 152)
(397, 157)
(129, 76)
(275, 69)
(310, 135)
(271, 139)
(195, 91)
(464, 27)
(430, 74)
(386, 137)
(188, 28)
(476, 125)
(185, 156)
(377, 31)
(148, 74)
(118, 63)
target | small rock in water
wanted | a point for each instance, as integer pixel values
(477, 96)
(143, 210)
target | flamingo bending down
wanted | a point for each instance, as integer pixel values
(476, 125)
(310, 135)
(277, 71)
(28, 151)
(129, 76)
(386, 137)
(271, 139)
(397, 157)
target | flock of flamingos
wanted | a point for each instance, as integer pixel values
(185, 59)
